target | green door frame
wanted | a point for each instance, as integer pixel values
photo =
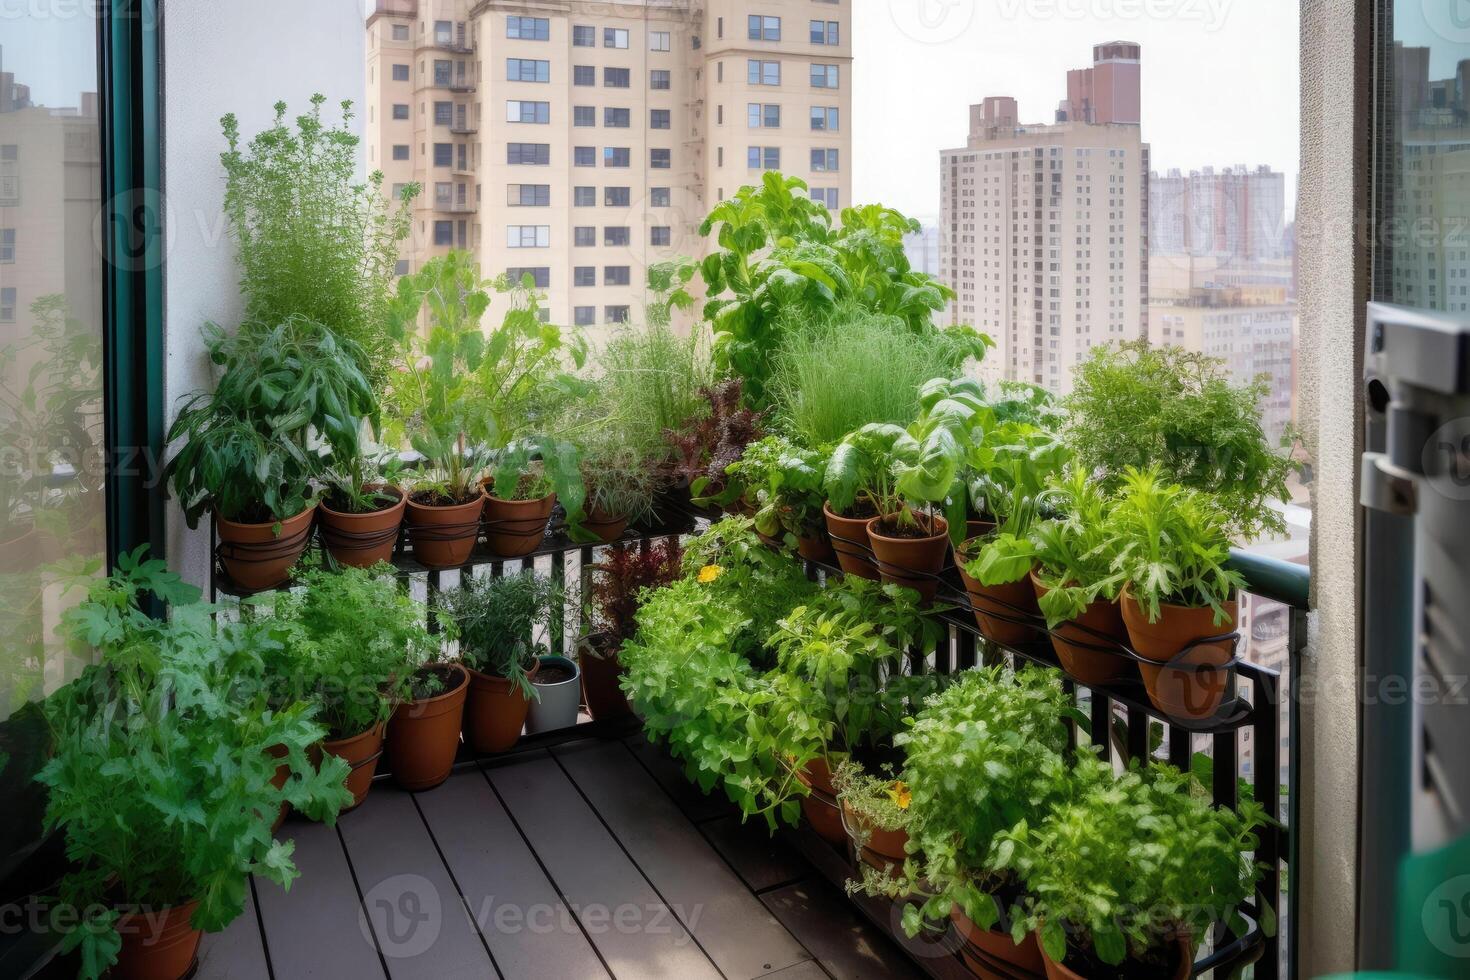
(133, 223)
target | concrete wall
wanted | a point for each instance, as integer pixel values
(240, 58)
(1335, 85)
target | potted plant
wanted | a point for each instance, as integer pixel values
(708, 442)
(496, 620)
(1104, 906)
(353, 641)
(362, 510)
(617, 584)
(244, 448)
(1180, 601)
(527, 479)
(160, 779)
(875, 814)
(423, 734)
(783, 483)
(1076, 584)
(558, 682)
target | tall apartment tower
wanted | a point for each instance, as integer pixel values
(1237, 213)
(585, 140)
(1046, 226)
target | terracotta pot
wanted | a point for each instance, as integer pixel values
(363, 540)
(899, 558)
(850, 541)
(1194, 695)
(157, 945)
(601, 672)
(255, 557)
(884, 848)
(1182, 969)
(362, 753)
(996, 606)
(1078, 650)
(444, 537)
(817, 548)
(1007, 959)
(515, 528)
(978, 529)
(820, 805)
(495, 712)
(423, 736)
(607, 527)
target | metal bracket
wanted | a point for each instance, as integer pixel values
(1387, 488)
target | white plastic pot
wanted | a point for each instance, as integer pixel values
(559, 702)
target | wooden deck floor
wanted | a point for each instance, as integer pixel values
(590, 859)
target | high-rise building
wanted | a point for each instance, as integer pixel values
(1045, 227)
(1236, 213)
(583, 141)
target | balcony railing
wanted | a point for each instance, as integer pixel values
(457, 207)
(464, 129)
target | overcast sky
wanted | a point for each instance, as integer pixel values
(1219, 80)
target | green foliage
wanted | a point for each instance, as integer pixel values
(246, 447)
(160, 777)
(314, 241)
(1129, 862)
(497, 619)
(783, 483)
(882, 801)
(1142, 406)
(855, 367)
(1074, 552)
(668, 290)
(351, 642)
(649, 383)
(778, 253)
(1172, 544)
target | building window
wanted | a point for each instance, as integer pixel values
(528, 195)
(400, 110)
(658, 40)
(527, 112)
(659, 79)
(763, 158)
(616, 78)
(824, 76)
(584, 236)
(617, 118)
(7, 304)
(763, 28)
(444, 233)
(617, 156)
(584, 197)
(824, 161)
(764, 116)
(584, 275)
(400, 268)
(528, 236)
(400, 152)
(584, 36)
(584, 116)
(400, 73)
(528, 28)
(615, 235)
(584, 316)
(763, 72)
(584, 75)
(824, 118)
(443, 113)
(614, 37)
(617, 197)
(443, 72)
(660, 236)
(659, 119)
(659, 197)
(615, 314)
(660, 159)
(443, 154)
(584, 156)
(528, 154)
(400, 32)
(527, 70)
(443, 32)
(616, 275)
(825, 32)
(540, 276)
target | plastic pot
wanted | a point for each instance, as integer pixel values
(1173, 687)
(913, 563)
(560, 700)
(444, 537)
(598, 659)
(423, 736)
(157, 944)
(820, 805)
(362, 753)
(363, 540)
(607, 527)
(255, 557)
(997, 947)
(1184, 951)
(515, 528)
(998, 606)
(495, 712)
(1077, 648)
(850, 542)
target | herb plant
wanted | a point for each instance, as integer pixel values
(705, 445)
(497, 620)
(1012, 466)
(619, 581)
(1073, 552)
(782, 482)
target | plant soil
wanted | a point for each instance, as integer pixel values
(433, 498)
(339, 503)
(553, 674)
(861, 510)
(913, 532)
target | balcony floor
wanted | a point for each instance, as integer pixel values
(594, 858)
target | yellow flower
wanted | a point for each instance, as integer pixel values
(900, 795)
(709, 573)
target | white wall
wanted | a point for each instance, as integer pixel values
(231, 57)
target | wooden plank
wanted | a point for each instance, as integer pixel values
(237, 953)
(529, 930)
(637, 934)
(846, 944)
(808, 970)
(697, 805)
(420, 921)
(762, 861)
(739, 934)
(317, 929)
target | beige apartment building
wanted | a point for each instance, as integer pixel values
(1045, 227)
(581, 142)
